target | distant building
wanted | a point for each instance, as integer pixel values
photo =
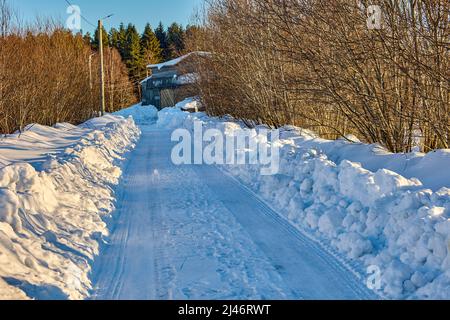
(170, 82)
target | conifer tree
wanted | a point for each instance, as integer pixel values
(151, 47)
(175, 39)
(114, 38)
(161, 35)
(133, 53)
(117, 39)
(105, 38)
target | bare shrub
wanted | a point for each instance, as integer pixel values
(45, 76)
(316, 64)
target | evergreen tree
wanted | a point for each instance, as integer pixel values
(151, 48)
(114, 38)
(175, 39)
(105, 38)
(122, 40)
(137, 51)
(133, 53)
(161, 35)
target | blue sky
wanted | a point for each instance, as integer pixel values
(138, 12)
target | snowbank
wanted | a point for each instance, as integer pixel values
(56, 186)
(349, 198)
(171, 118)
(142, 115)
(190, 104)
(374, 157)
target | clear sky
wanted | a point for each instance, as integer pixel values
(138, 12)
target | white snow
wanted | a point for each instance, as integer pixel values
(56, 189)
(142, 115)
(171, 118)
(176, 61)
(189, 104)
(370, 206)
(194, 232)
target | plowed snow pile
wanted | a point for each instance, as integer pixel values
(142, 115)
(56, 186)
(356, 201)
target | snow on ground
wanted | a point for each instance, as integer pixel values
(194, 232)
(56, 187)
(36, 143)
(141, 114)
(190, 104)
(372, 207)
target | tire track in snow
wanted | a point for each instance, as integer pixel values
(340, 270)
(336, 281)
(119, 274)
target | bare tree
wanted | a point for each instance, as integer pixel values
(45, 77)
(317, 64)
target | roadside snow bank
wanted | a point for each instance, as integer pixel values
(190, 104)
(142, 115)
(51, 213)
(373, 218)
(171, 118)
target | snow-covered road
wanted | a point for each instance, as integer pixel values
(193, 232)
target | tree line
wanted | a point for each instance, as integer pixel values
(49, 75)
(320, 65)
(138, 50)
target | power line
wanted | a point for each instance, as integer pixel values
(82, 17)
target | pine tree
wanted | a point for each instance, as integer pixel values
(122, 40)
(175, 39)
(114, 38)
(151, 48)
(161, 35)
(105, 38)
(133, 53)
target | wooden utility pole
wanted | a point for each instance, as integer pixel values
(102, 73)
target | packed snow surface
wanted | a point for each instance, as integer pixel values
(56, 188)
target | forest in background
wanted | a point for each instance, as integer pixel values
(317, 64)
(138, 50)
